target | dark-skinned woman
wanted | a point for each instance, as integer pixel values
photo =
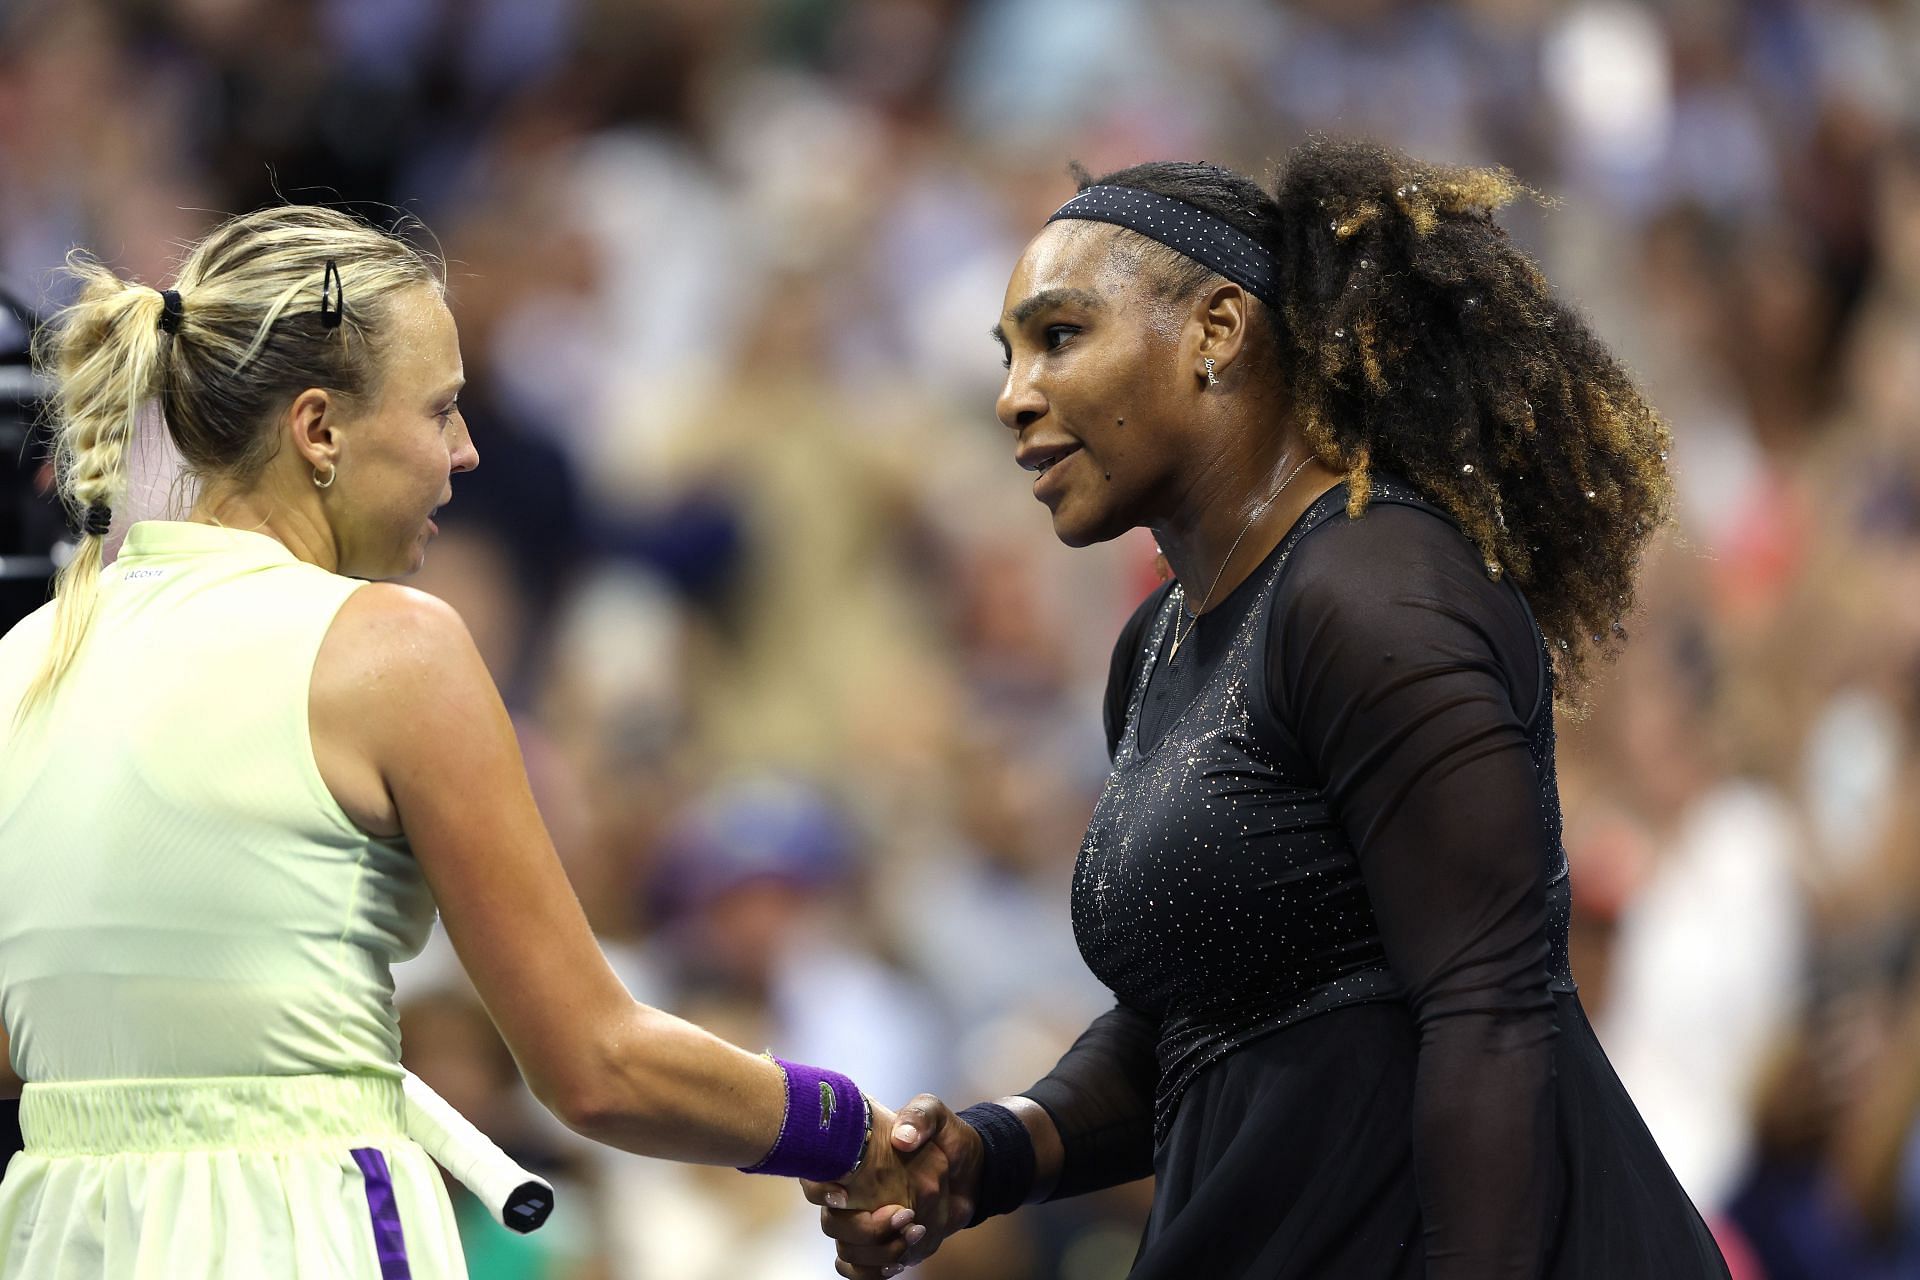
(1403, 492)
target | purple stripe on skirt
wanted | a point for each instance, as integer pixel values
(389, 1240)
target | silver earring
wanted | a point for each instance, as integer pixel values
(332, 471)
(1211, 380)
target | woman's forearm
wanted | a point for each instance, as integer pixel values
(1095, 1108)
(661, 1086)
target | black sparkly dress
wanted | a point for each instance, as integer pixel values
(1326, 884)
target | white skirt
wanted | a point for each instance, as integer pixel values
(301, 1177)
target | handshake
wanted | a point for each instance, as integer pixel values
(916, 1185)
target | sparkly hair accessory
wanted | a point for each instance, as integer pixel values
(1219, 246)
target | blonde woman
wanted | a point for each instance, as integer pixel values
(238, 773)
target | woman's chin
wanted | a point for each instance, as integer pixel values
(1077, 528)
(404, 565)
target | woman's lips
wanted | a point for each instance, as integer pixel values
(1048, 482)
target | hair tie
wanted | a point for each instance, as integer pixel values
(170, 311)
(333, 297)
(1212, 242)
(98, 519)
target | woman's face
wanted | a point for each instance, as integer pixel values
(1097, 387)
(399, 452)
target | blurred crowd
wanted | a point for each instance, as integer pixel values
(808, 691)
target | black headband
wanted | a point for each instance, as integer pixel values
(1216, 245)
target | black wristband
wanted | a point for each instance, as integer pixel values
(1006, 1160)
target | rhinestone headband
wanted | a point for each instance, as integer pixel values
(1216, 245)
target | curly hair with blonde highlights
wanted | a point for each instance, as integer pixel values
(1414, 338)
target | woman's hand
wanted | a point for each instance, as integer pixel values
(882, 1178)
(938, 1155)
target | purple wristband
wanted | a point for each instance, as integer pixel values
(824, 1132)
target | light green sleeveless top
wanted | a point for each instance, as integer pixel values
(179, 893)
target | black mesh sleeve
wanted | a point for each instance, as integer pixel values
(1100, 1096)
(1409, 677)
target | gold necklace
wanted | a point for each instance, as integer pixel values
(1178, 637)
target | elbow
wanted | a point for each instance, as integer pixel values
(571, 1097)
(598, 1108)
(1490, 1034)
(590, 1112)
(599, 1092)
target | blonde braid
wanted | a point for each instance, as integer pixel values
(106, 359)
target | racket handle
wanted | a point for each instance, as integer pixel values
(518, 1199)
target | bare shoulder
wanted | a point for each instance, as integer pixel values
(389, 622)
(388, 640)
(390, 654)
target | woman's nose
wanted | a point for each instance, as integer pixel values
(466, 456)
(1020, 402)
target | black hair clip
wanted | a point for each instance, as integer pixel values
(333, 297)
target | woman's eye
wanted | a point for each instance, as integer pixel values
(1050, 338)
(446, 414)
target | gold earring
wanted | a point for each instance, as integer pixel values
(332, 471)
(1211, 380)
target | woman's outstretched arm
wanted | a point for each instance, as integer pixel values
(401, 667)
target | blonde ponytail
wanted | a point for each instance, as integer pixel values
(106, 357)
(245, 333)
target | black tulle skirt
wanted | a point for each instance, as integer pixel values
(1291, 1159)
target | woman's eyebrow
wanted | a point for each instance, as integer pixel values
(1025, 310)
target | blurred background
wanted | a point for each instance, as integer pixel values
(810, 694)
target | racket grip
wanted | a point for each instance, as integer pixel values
(518, 1199)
